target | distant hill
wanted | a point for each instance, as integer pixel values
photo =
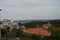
(31, 23)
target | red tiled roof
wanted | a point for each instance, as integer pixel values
(37, 31)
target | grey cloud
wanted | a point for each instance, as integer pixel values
(18, 3)
(30, 9)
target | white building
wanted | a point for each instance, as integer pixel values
(46, 25)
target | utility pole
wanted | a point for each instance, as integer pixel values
(0, 24)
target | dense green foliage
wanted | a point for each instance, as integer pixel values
(17, 33)
(0, 22)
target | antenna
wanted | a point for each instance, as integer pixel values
(0, 14)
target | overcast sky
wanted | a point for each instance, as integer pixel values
(30, 9)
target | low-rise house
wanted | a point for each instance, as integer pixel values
(15, 23)
(5, 22)
(46, 25)
(1, 26)
(37, 31)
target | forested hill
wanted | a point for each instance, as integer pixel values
(55, 23)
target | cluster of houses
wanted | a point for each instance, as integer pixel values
(11, 24)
